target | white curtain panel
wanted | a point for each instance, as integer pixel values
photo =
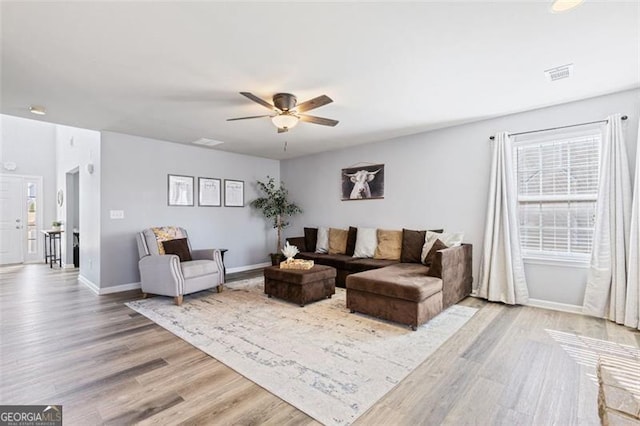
(501, 269)
(632, 310)
(605, 293)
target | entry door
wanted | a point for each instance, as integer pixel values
(11, 220)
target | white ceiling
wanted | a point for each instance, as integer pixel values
(173, 70)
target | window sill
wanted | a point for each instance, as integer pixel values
(567, 263)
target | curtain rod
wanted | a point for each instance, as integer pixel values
(624, 117)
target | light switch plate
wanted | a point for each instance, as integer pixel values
(116, 214)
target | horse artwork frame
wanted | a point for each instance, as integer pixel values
(363, 182)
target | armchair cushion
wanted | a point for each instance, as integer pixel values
(179, 247)
(197, 268)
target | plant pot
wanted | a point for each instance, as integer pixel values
(276, 258)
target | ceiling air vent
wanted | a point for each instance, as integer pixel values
(207, 142)
(558, 73)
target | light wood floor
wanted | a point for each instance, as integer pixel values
(61, 344)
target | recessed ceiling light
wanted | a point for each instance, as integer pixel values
(37, 109)
(560, 6)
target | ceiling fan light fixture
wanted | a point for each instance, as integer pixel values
(285, 121)
(559, 6)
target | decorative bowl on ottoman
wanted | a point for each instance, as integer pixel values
(300, 286)
(296, 264)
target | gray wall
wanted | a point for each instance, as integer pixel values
(134, 176)
(31, 144)
(440, 179)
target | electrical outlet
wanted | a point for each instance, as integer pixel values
(116, 214)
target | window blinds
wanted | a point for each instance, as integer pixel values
(557, 189)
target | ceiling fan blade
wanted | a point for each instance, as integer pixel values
(282, 130)
(318, 120)
(256, 99)
(314, 103)
(247, 118)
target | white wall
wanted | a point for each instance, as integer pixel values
(440, 179)
(75, 149)
(134, 179)
(31, 144)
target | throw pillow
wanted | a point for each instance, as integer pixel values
(351, 241)
(389, 245)
(435, 268)
(437, 245)
(449, 239)
(166, 233)
(366, 242)
(338, 240)
(179, 247)
(322, 244)
(310, 239)
(412, 242)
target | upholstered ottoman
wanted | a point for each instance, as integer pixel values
(300, 286)
(402, 293)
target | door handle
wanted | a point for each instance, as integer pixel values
(17, 220)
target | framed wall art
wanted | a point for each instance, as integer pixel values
(209, 192)
(363, 182)
(180, 190)
(233, 193)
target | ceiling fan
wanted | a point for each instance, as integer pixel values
(288, 112)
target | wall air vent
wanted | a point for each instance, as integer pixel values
(207, 142)
(558, 73)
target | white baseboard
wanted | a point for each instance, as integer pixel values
(555, 306)
(107, 290)
(92, 286)
(248, 267)
(120, 288)
(68, 266)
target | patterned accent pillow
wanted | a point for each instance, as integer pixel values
(166, 233)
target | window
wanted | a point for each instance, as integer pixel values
(557, 190)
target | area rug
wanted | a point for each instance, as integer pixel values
(328, 363)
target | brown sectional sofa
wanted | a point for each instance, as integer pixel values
(408, 293)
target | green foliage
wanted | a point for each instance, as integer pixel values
(56, 223)
(275, 205)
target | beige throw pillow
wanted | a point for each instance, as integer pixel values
(338, 241)
(389, 245)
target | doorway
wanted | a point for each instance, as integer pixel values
(72, 219)
(20, 219)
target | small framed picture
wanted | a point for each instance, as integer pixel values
(209, 192)
(233, 193)
(180, 191)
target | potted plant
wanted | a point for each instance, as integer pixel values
(275, 205)
(56, 224)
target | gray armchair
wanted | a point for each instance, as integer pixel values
(165, 275)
